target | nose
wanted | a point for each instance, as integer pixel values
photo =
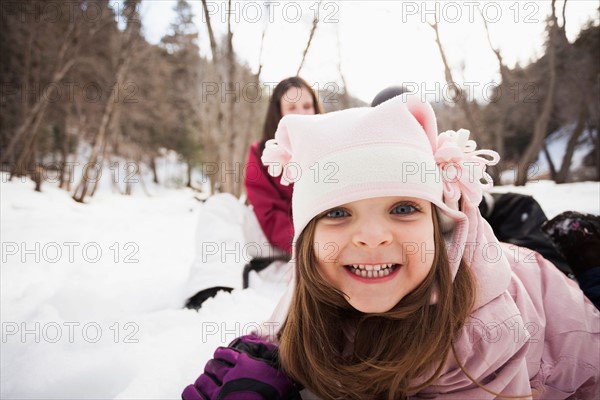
(372, 233)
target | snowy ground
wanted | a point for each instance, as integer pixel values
(91, 294)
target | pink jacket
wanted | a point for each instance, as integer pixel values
(539, 335)
(532, 330)
(272, 202)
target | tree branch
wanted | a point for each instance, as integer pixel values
(310, 37)
(211, 35)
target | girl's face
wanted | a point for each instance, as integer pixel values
(297, 101)
(375, 251)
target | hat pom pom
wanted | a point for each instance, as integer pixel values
(276, 158)
(463, 168)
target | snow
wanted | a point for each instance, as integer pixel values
(554, 199)
(81, 323)
(92, 294)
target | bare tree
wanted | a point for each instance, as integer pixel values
(262, 44)
(227, 114)
(541, 123)
(565, 166)
(29, 128)
(550, 161)
(309, 41)
(470, 109)
(459, 97)
(344, 95)
(22, 145)
(219, 110)
(577, 95)
(505, 76)
(96, 160)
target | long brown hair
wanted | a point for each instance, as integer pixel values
(391, 350)
(274, 110)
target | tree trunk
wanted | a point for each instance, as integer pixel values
(189, 174)
(541, 124)
(36, 171)
(213, 42)
(27, 66)
(471, 111)
(153, 169)
(498, 132)
(82, 188)
(73, 141)
(66, 174)
(550, 162)
(124, 59)
(224, 136)
(23, 163)
(310, 38)
(562, 175)
(260, 51)
(114, 177)
(597, 148)
(344, 96)
(64, 148)
(129, 181)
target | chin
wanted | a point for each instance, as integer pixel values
(371, 308)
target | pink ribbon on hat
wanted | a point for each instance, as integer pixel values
(463, 168)
(276, 158)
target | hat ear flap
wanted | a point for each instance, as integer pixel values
(277, 153)
(423, 113)
(282, 135)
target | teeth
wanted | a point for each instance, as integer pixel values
(372, 271)
(371, 267)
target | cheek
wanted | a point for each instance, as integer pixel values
(325, 272)
(326, 247)
(419, 246)
(326, 253)
(428, 248)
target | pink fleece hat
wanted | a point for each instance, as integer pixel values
(389, 150)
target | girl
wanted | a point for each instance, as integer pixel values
(270, 200)
(401, 289)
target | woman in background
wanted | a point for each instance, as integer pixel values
(224, 222)
(270, 199)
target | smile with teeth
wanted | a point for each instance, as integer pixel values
(372, 271)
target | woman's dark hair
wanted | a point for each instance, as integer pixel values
(274, 111)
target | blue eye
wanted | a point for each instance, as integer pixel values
(337, 213)
(404, 209)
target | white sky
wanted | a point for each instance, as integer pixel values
(382, 43)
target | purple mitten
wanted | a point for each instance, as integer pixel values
(248, 369)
